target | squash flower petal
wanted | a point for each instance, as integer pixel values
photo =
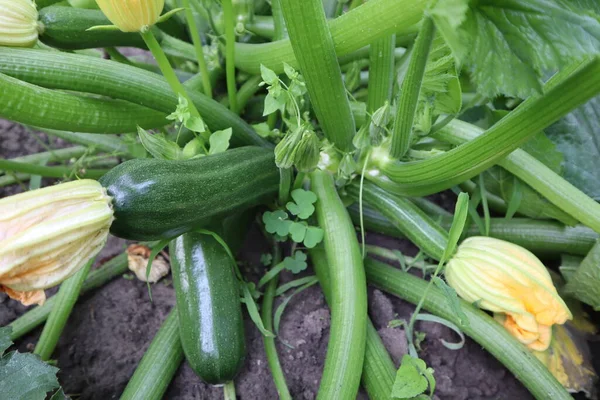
(132, 15)
(509, 280)
(47, 235)
(18, 23)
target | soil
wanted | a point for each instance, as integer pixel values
(111, 328)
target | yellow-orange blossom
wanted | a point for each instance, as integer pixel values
(513, 283)
(132, 15)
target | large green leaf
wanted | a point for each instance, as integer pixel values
(23, 376)
(440, 91)
(577, 136)
(508, 45)
(585, 283)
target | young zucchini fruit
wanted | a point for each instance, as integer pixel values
(159, 199)
(67, 28)
(210, 316)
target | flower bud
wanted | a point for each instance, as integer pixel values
(508, 280)
(47, 235)
(307, 154)
(132, 15)
(18, 23)
(286, 149)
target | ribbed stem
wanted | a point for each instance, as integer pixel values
(229, 17)
(306, 26)
(65, 300)
(381, 72)
(410, 90)
(193, 29)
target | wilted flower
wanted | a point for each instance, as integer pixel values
(18, 23)
(513, 283)
(47, 235)
(306, 156)
(132, 15)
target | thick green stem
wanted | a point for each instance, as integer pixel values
(229, 391)
(537, 175)
(348, 299)
(72, 72)
(65, 300)
(406, 217)
(269, 342)
(381, 72)
(49, 172)
(229, 17)
(307, 25)
(36, 316)
(280, 31)
(567, 90)
(350, 32)
(193, 29)
(379, 370)
(168, 71)
(107, 143)
(481, 327)
(52, 156)
(159, 364)
(544, 238)
(410, 90)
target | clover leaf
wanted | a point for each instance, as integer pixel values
(297, 263)
(277, 222)
(303, 203)
(314, 236)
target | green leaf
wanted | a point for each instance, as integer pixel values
(219, 141)
(508, 45)
(314, 236)
(440, 91)
(159, 146)
(277, 222)
(448, 324)
(273, 104)
(23, 376)
(195, 124)
(577, 137)
(5, 341)
(268, 76)
(298, 231)
(585, 283)
(253, 310)
(266, 259)
(461, 211)
(59, 395)
(297, 263)
(303, 203)
(452, 299)
(290, 71)
(410, 381)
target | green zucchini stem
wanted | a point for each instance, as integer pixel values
(269, 342)
(229, 391)
(36, 316)
(381, 72)
(481, 327)
(229, 17)
(378, 370)
(65, 300)
(348, 293)
(167, 70)
(159, 364)
(193, 29)
(410, 90)
(49, 172)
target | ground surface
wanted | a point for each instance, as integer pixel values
(111, 328)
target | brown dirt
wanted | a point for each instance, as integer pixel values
(111, 327)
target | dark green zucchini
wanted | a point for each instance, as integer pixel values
(158, 199)
(66, 28)
(211, 325)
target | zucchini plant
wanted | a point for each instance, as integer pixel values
(320, 121)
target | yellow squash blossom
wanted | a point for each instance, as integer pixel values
(47, 235)
(132, 15)
(18, 23)
(511, 282)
